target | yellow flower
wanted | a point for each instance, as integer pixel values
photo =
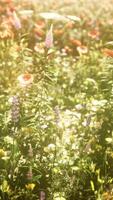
(2, 153)
(30, 186)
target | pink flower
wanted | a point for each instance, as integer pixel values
(94, 34)
(25, 79)
(82, 49)
(49, 38)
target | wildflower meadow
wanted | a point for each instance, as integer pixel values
(56, 100)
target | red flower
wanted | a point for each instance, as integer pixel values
(6, 1)
(70, 24)
(39, 32)
(107, 52)
(94, 34)
(40, 23)
(25, 79)
(75, 42)
(58, 32)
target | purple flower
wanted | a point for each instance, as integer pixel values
(16, 21)
(15, 109)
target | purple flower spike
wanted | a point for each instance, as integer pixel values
(16, 21)
(15, 109)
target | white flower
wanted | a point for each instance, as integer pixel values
(82, 50)
(54, 16)
(27, 13)
(73, 18)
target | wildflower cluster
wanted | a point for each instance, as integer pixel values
(56, 69)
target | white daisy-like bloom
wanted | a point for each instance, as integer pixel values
(56, 16)
(82, 50)
(73, 18)
(27, 13)
(51, 15)
(25, 79)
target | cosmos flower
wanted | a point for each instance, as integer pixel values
(6, 1)
(40, 23)
(94, 34)
(82, 50)
(58, 32)
(49, 38)
(107, 52)
(75, 42)
(25, 79)
(38, 31)
(70, 24)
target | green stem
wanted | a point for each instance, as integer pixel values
(13, 153)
